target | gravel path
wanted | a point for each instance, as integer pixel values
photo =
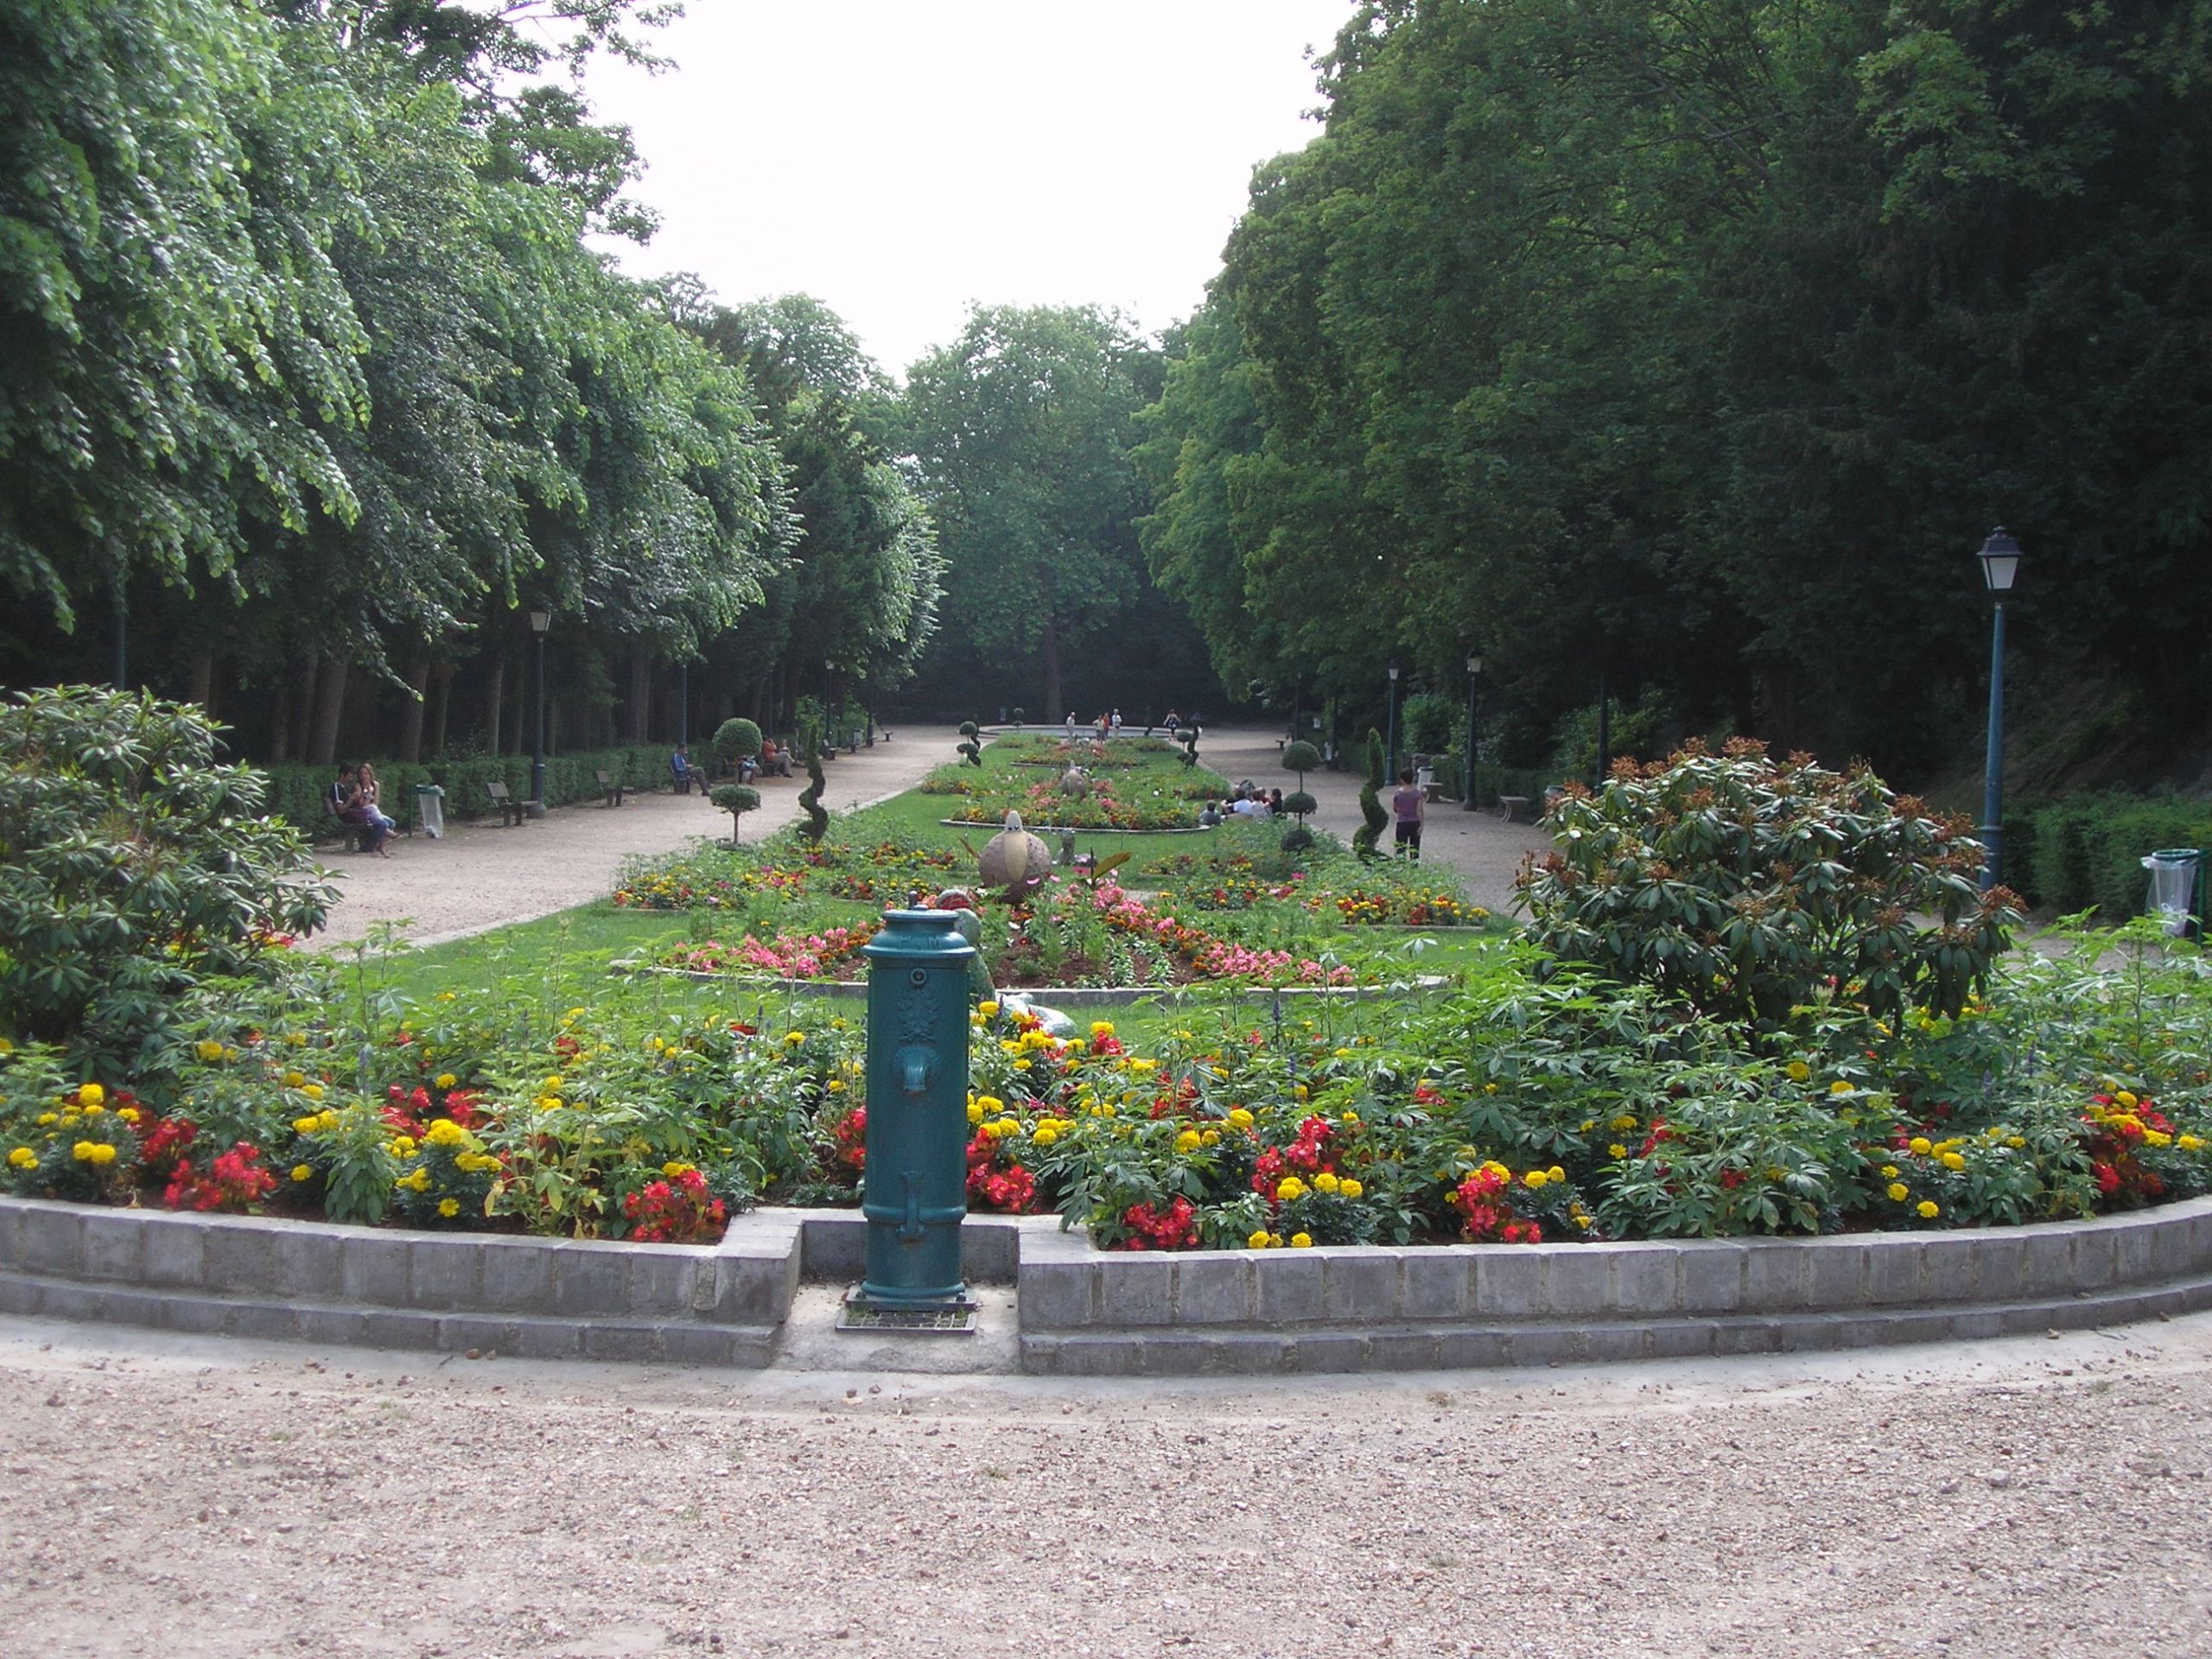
(2011, 1499)
(482, 875)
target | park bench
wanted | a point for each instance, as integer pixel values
(609, 786)
(1513, 808)
(510, 811)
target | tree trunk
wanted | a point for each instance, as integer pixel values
(495, 691)
(201, 688)
(330, 707)
(411, 717)
(635, 718)
(280, 726)
(445, 710)
(294, 711)
(1051, 655)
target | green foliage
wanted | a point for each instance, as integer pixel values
(1300, 757)
(737, 800)
(1433, 722)
(1373, 819)
(817, 824)
(2086, 851)
(736, 739)
(299, 794)
(1753, 890)
(131, 865)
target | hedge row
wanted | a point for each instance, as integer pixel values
(298, 792)
(2087, 850)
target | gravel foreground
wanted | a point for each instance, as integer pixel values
(190, 1496)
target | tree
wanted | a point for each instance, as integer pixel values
(737, 800)
(1021, 430)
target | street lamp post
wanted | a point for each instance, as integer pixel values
(1390, 724)
(539, 621)
(1474, 671)
(2000, 566)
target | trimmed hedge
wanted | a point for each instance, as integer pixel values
(2087, 850)
(296, 792)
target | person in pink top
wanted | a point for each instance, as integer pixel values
(1406, 809)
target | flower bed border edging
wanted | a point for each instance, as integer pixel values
(1085, 1311)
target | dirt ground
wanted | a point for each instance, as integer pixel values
(2017, 1499)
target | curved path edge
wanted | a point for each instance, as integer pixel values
(1085, 1311)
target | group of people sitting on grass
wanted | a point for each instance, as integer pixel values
(1247, 800)
(354, 802)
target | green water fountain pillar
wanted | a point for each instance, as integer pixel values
(917, 1180)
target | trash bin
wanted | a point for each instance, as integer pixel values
(430, 810)
(2173, 886)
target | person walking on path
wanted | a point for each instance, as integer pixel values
(1407, 809)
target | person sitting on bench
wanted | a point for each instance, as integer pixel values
(774, 759)
(679, 766)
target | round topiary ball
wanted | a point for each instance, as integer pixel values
(735, 740)
(967, 728)
(1300, 756)
(1301, 803)
(735, 797)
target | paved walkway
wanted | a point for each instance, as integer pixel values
(482, 875)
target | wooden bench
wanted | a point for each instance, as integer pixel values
(1513, 808)
(1432, 792)
(510, 811)
(609, 787)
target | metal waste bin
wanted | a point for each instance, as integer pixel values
(430, 810)
(2173, 886)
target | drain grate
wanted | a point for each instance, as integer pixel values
(856, 1313)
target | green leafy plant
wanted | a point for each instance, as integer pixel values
(1751, 888)
(1300, 757)
(972, 751)
(809, 800)
(132, 865)
(1374, 819)
(737, 800)
(734, 740)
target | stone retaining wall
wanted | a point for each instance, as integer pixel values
(1087, 1312)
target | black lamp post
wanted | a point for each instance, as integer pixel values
(1474, 671)
(2000, 566)
(539, 621)
(1390, 724)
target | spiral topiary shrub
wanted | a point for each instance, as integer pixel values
(1370, 800)
(972, 751)
(1749, 888)
(810, 798)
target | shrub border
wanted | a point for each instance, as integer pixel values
(1089, 1312)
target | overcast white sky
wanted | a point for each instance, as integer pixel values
(898, 159)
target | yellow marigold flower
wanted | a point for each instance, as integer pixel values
(1047, 1132)
(307, 1125)
(1798, 1071)
(130, 1114)
(2157, 1138)
(46, 1119)
(95, 1111)
(209, 1051)
(1839, 1087)
(975, 1111)
(2187, 1143)
(1535, 1179)
(1022, 1066)
(1009, 1125)
(1258, 1240)
(990, 1103)
(82, 1152)
(2125, 1101)
(675, 1167)
(1211, 1137)
(988, 1010)
(549, 1103)
(1556, 1173)
(1102, 1028)
(1953, 1160)
(1302, 1241)
(449, 1208)
(1348, 1188)
(312, 1091)
(1625, 1121)
(1188, 1141)
(1617, 1150)
(294, 1079)
(103, 1153)
(23, 1158)
(1154, 1066)
(1299, 1092)
(302, 1172)
(1240, 1119)
(1490, 1088)
(446, 1079)
(1889, 1172)
(1898, 1193)
(1325, 1182)
(1274, 1241)
(1290, 1187)
(1919, 1144)
(90, 1094)
(551, 1085)
(446, 1133)
(401, 1146)
(1929, 1210)
(420, 1180)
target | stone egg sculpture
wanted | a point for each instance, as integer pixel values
(1075, 783)
(1013, 860)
